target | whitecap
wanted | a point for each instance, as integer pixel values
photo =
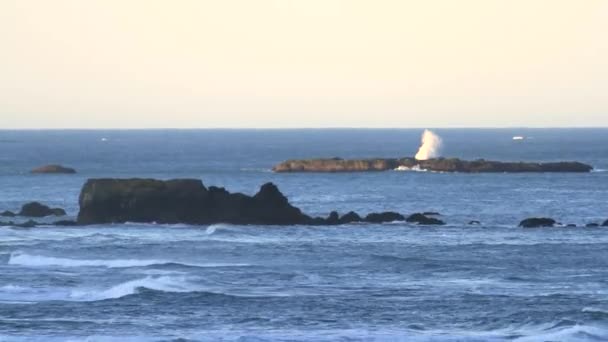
(45, 261)
(163, 283)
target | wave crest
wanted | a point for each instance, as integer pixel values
(22, 259)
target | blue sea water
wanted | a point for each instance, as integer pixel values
(391, 282)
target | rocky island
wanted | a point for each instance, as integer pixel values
(53, 169)
(435, 165)
(189, 201)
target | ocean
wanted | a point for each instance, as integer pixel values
(359, 282)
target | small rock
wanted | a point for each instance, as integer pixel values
(424, 220)
(350, 218)
(54, 169)
(592, 225)
(571, 225)
(474, 223)
(605, 224)
(431, 213)
(333, 218)
(36, 209)
(537, 222)
(388, 216)
(8, 213)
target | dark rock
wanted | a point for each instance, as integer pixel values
(474, 223)
(431, 213)
(571, 225)
(350, 218)
(65, 223)
(182, 201)
(8, 213)
(592, 225)
(384, 217)
(605, 224)
(35, 209)
(424, 220)
(333, 218)
(54, 169)
(537, 222)
(437, 165)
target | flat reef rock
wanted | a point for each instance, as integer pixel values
(53, 168)
(435, 165)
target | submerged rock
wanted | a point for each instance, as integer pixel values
(536, 222)
(592, 225)
(54, 168)
(36, 209)
(437, 165)
(422, 219)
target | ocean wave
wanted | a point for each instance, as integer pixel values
(177, 284)
(18, 294)
(595, 310)
(42, 261)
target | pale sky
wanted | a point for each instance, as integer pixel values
(303, 63)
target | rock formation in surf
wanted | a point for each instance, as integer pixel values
(189, 201)
(435, 165)
(53, 168)
(537, 222)
(35, 209)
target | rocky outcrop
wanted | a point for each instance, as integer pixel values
(424, 220)
(336, 165)
(435, 165)
(182, 201)
(35, 209)
(536, 222)
(8, 213)
(54, 169)
(605, 224)
(384, 217)
(189, 201)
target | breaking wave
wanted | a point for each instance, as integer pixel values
(39, 260)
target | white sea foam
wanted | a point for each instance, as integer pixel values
(39, 260)
(215, 227)
(43, 261)
(415, 168)
(163, 283)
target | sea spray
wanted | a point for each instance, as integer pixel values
(431, 146)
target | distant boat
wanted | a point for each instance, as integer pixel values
(519, 137)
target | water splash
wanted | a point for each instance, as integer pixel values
(431, 146)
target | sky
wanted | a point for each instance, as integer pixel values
(303, 63)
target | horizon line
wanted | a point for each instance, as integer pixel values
(288, 128)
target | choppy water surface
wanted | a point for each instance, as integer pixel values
(359, 282)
